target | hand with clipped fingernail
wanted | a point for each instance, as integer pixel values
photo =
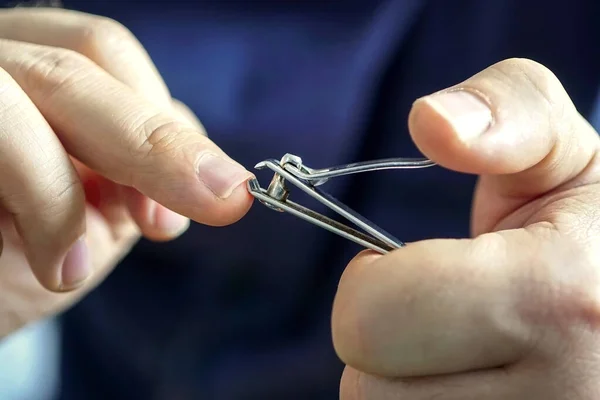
(513, 312)
(95, 154)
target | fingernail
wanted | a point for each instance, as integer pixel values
(469, 115)
(168, 221)
(77, 266)
(220, 175)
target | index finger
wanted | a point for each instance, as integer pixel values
(126, 138)
(116, 50)
(103, 40)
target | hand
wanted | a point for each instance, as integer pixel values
(513, 313)
(94, 153)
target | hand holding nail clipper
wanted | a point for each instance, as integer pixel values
(512, 313)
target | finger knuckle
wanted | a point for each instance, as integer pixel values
(101, 32)
(530, 68)
(562, 292)
(158, 135)
(158, 144)
(52, 206)
(541, 79)
(60, 194)
(52, 69)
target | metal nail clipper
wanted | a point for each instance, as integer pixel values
(290, 169)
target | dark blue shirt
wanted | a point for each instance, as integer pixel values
(243, 312)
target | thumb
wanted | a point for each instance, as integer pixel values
(513, 121)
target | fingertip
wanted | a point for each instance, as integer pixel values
(76, 267)
(364, 257)
(445, 128)
(163, 213)
(468, 114)
(168, 222)
(56, 250)
(231, 209)
(431, 133)
(220, 174)
(61, 272)
(156, 222)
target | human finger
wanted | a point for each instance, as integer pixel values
(513, 123)
(451, 306)
(481, 385)
(103, 40)
(116, 50)
(40, 188)
(156, 221)
(127, 139)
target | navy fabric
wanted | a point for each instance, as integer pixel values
(243, 312)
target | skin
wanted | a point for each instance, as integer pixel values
(94, 153)
(513, 312)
